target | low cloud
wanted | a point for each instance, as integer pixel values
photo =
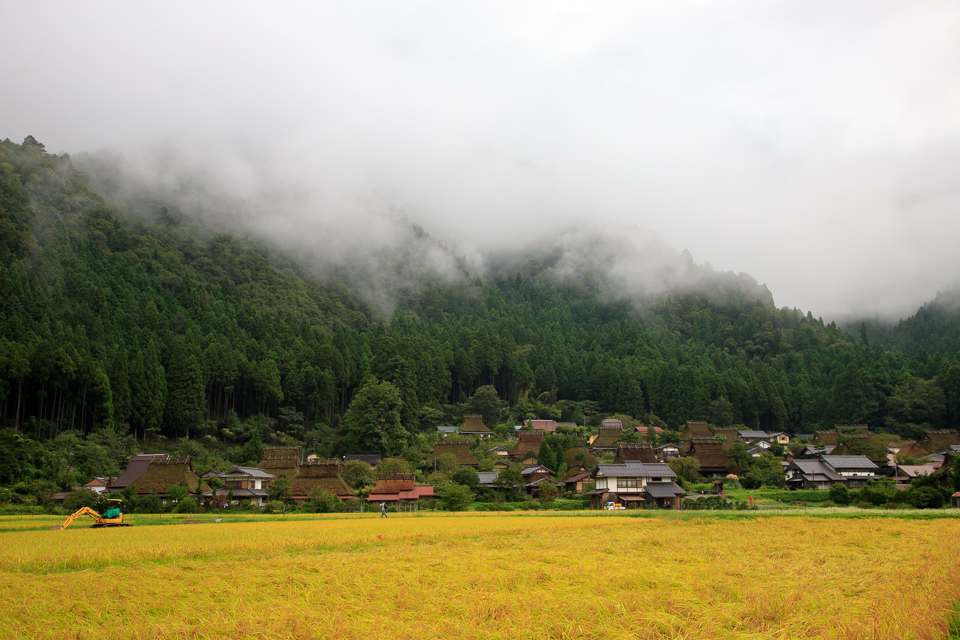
(813, 146)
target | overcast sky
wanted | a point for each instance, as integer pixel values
(813, 145)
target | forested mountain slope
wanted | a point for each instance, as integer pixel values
(160, 327)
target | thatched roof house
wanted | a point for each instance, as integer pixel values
(570, 458)
(714, 462)
(607, 438)
(939, 440)
(459, 449)
(473, 426)
(319, 475)
(637, 452)
(696, 429)
(137, 466)
(164, 473)
(399, 487)
(280, 460)
(528, 441)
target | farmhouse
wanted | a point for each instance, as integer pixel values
(714, 463)
(243, 483)
(399, 488)
(634, 452)
(528, 443)
(137, 466)
(164, 473)
(547, 426)
(473, 426)
(938, 440)
(607, 438)
(851, 471)
(305, 477)
(636, 484)
(459, 449)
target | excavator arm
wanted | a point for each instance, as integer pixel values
(86, 511)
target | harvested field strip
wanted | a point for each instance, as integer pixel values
(496, 577)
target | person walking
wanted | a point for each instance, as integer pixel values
(383, 509)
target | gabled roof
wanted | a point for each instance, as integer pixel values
(319, 475)
(548, 426)
(394, 483)
(709, 453)
(165, 473)
(251, 472)
(939, 440)
(813, 471)
(487, 478)
(570, 457)
(137, 466)
(635, 470)
(528, 441)
(696, 429)
(536, 469)
(640, 452)
(459, 449)
(576, 477)
(663, 490)
(754, 435)
(280, 458)
(849, 462)
(607, 438)
(473, 423)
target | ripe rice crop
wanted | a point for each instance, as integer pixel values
(486, 577)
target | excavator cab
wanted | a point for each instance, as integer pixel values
(112, 517)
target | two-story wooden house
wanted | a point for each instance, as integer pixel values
(636, 484)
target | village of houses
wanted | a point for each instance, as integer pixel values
(611, 473)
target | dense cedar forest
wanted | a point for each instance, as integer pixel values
(121, 332)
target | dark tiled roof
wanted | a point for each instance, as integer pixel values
(849, 462)
(754, 435)
(487, 477)
(372, 459)
(636, 470)
(663, 490)
(251, 472)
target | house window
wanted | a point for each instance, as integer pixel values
(626, 483)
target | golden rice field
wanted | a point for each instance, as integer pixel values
(485, 577)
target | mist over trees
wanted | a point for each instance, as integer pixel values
(136, 330)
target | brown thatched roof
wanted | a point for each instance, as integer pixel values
(607, 437)
(165, 473)
(319, 475)
(939, 440)
(570, 458)
(473, 424)
(911, 449)
(709, 453)
(696, 429)
(394, 483)
(731, 435)
(460, 449)
(639, 452)
(280, 458)
(529, 441)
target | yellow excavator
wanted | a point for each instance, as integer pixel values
(112, 517)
